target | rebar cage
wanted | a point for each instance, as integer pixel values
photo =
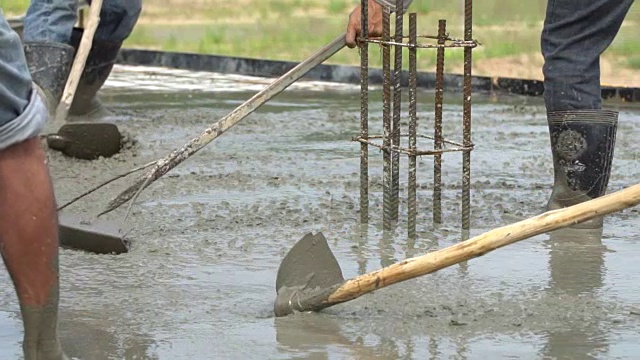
(389, 141)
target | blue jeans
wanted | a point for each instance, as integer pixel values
(575, 34)
(53, 20)
(22, 111)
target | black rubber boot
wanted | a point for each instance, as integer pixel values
(87, 135)
(102, 56)
(582, 144)
(49, 64)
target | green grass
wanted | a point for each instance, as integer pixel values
(14, 7)
(627, 42)
(337, 6)
(634, 62)
(294, 29)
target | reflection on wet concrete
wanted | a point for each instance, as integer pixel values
(577, 267)
(314, 336)
(83, 340)
(10, 335)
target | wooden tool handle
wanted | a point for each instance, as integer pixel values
(80, 60)
(180, 154)
(484, 243)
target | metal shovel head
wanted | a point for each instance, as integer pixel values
(97, 236)
(309, 266)
(87, 141)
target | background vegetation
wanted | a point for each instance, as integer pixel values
(509, 31)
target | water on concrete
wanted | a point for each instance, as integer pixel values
(199, 282)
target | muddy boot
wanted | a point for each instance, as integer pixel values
(87, 135)
(49, 64)
(86, 106)
(582, 144)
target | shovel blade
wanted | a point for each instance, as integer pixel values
(87, 141)
(97, 236)
(309, 263)
(309, 267)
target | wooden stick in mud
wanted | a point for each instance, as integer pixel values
(313, 300)
(80, 60)
(179, 155)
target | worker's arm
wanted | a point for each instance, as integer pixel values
(375, 19)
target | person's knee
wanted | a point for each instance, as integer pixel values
(123, 8)
(118, 18)
(50, 20)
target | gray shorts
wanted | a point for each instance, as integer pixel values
(23, 111)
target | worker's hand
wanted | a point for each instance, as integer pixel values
(375, 23)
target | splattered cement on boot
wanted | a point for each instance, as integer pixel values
(210, 235)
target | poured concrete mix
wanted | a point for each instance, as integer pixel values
(199, 282)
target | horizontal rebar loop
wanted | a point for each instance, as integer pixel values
(407, 151)
(429, 137)
(456, 44)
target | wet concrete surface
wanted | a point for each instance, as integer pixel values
(208, 238)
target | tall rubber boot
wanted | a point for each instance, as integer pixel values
(86, 106)
(582, 144)
(87, 135)
(49, 64)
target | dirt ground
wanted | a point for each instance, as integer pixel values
(529, 66)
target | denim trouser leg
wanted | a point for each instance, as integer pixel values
(53, 20)
(15, 79)
(575, 34)
(117, 19)
(50, 21)
(22, 111)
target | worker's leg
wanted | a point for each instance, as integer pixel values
(49, 21)
(117, 20)
(28, 220)
(47, 31)
(575, 34)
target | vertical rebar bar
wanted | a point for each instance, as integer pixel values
(437, 159)
(364, 114)
(386, 120)
(397, 109)
(411, 197)
(466, 119)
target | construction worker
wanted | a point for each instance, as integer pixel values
(51, 41)
(28, 218)
(582, 134)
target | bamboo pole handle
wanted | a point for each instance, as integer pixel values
(80, 60)
(179, 155)
(484, 243)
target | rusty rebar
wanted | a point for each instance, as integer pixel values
(386, 121)
(437, 145)
(411, 196)
(364, 114)
(444, 140)
(397, 108)
(412, 152)
(466, 119)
